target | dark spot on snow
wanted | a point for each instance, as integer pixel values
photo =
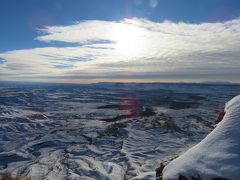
(181, 177)
(220, 178)
(177, 105)
(197, 97)
(116, 130)
(5, 159)
(159, 172)
(147, 112)
(109, 106)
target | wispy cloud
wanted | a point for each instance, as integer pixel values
(153, 3)
(130, 49)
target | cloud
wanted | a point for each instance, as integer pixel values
(81, 32)
(131, 49)
(153, 3)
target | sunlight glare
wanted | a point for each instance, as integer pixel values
(128, 38)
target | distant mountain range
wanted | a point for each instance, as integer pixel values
(217, 82)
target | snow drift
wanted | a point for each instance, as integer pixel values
(217, 155)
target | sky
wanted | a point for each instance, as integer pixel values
(77, 41)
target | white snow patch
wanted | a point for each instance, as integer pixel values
(217, 155)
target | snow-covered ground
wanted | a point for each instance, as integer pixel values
(103, 131)
(217, 155)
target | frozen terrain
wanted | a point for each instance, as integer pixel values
(217, 155)
(105, 130)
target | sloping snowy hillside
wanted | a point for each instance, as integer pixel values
(217, 155)
(103, 131)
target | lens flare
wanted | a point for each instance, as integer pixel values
(129, 39)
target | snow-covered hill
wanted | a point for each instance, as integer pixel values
(217, 155)
(114, 131)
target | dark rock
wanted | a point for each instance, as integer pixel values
(181, 177)
(148, 112)
(196, 178)
(109, 106)
(159, 172)
(177, 105)
(197, 97)
(116, 130)
(219, 178)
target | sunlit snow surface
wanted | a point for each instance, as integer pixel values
(217, 155)
(105, 130)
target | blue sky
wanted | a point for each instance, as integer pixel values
(28, 27)
(19, 19)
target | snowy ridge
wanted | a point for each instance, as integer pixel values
(217, 155)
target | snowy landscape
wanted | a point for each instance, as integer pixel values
(120, 90)
(103, 130)
(217, 156)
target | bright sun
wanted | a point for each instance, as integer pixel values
(128, 38)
